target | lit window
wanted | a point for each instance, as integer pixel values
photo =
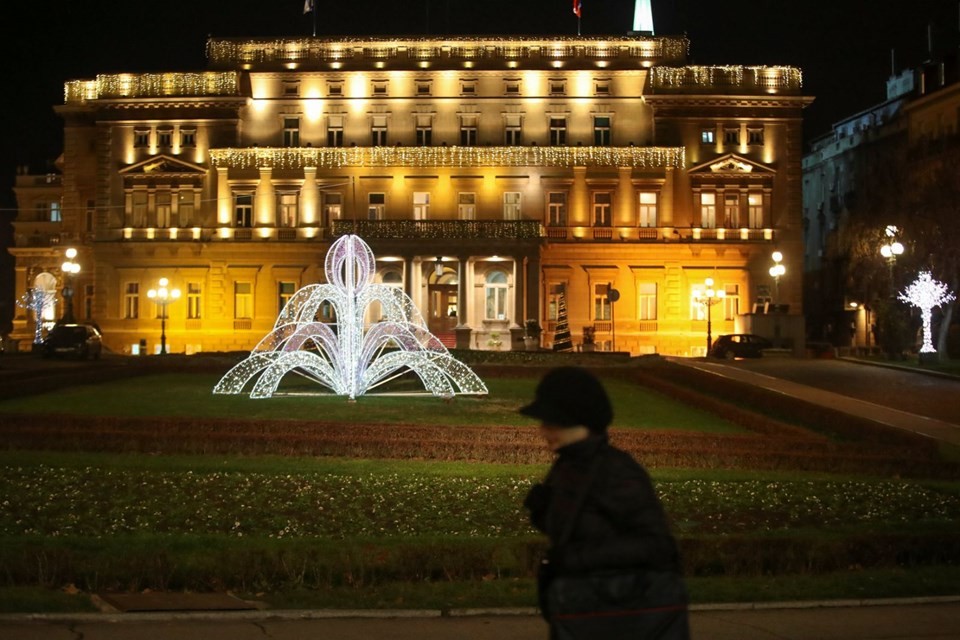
(602, 204)
(141, 137)
(731, 210)
(291, 132)
(242, 300)
(468, 130)
(511, 205)
(131, 301)
(647, 215)
(378, 131)
(707, 136)
(188, 137)
(708, 210)
(194, 299)
(332, 206)
(755, 210)
(376, 204)
(601, 301)
(557, 209)
(421, 205)
(288, 209)
(243, 211)
(467, 205)
(647, 301)
(601, 131)
(285, 291)
(558, 131)
(335, 131)
(163, 209)
(55, 214)
(495, 294)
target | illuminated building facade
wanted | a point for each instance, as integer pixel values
(488, 176)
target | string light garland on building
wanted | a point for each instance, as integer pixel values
(456, 156)
(346, 355)
(693, 76)
(153, 85)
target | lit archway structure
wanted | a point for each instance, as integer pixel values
(347, 356)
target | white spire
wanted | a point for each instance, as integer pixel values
(643, 17)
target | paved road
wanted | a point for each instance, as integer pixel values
(933, 621)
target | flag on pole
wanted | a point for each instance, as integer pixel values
(307, 6)
(577, 9)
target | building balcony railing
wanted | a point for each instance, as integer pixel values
(440, 229)
(653, 234)
(450, 156)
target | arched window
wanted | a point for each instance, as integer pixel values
(495, 293)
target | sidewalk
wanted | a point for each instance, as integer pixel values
(923, 425)
(930, 619)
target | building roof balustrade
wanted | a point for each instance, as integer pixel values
(270, 52)
(153, 85)
(453, 156)
(726, 79)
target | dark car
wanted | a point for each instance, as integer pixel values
(739, 345)
(79, 340)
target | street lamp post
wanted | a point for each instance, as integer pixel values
(163, 296)
(890, 251)
(69, 269)
(708, 298)
(776, 271)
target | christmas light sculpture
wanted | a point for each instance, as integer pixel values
(926, 293)
(36, 300)
(347, 356)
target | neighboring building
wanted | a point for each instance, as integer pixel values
(488, 175)
(918, 119)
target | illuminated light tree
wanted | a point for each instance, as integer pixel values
(926, 293)
(346, 355)
(36, 300)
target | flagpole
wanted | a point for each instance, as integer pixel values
(314, 18)
(578, 26)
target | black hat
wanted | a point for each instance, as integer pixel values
(571, 396)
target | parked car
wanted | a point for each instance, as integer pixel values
(79, 340)
(739, 345)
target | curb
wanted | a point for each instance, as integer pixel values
(900, 367)
(326, 614)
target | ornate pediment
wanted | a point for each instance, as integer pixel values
(163, 165)
(731, 163)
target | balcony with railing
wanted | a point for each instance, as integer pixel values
(654, 234)
(726, 79)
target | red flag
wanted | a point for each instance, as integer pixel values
(576, 8)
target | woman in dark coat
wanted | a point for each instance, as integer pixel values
(606, 526)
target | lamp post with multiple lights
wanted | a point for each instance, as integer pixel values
(776, 272)
(890, 251)
(163, 296)
(70, 268)
(709, 297)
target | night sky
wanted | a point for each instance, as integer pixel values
(842, 46)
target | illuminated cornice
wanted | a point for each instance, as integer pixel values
(153, 85)
(336, 157)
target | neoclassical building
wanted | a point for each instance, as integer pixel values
(490, 176)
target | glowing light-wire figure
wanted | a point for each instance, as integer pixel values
(926, 293)
(36, 300)
(347, 356)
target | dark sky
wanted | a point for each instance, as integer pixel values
(842, 46)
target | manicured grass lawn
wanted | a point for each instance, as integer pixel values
(191, 395)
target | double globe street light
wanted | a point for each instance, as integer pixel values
(70, 268)
(890, 251)
(709, 297)
(163, 296)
